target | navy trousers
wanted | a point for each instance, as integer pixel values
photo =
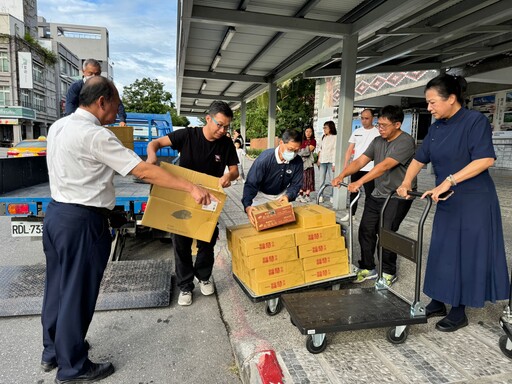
(76, 244)
(186, 269)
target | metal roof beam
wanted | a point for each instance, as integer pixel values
(407, 31)
(184, 12)
(491, 13)
(496, 50)
(402, 68)
(210, 97)
(224, 76)
(222, 16)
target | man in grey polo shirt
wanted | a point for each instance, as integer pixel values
(391, 152)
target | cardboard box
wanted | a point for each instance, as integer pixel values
(321, 247)
(280, 283)
(234, 230)
(320, 261)
(124, 134)
(177, 212)
(273, 214)
(266, 242)
(270, 258)
(272, 271)
(304, 236)
(313, 215)
(327, 272)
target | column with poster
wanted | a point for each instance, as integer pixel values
(327, 99)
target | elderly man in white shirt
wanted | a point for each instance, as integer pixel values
(82, 159)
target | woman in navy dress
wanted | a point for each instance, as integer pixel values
(466, 263)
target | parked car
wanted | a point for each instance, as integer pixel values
(27, 148)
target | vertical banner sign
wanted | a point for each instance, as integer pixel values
(25, 70)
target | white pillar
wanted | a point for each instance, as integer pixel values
(345, 110)
(272, 107)
(16, 131)
(30, 130)
(243, 120)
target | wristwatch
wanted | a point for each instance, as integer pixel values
(452, 181)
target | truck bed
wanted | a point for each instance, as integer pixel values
(125, 187)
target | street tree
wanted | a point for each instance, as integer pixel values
(148, 96)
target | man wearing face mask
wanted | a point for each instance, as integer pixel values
(276, 174)
(90, 68)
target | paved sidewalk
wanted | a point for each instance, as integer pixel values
(470, 355)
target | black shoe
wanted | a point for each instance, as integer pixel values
(96, 372)
(48, 366)
(438, 312)
(447, 325)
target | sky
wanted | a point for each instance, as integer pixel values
(142, 34)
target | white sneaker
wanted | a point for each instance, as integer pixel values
(207, 287)
(185, 298)
(344, 218)
(331, 200)
(306, 199)
(321, 199)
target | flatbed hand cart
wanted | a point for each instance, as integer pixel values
(505, 342)
(273, 304)
(316, 313)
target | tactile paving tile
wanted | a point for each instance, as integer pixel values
(304, 367)
(126, 284)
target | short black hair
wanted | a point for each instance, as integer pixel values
(237, 141)
(94, 88)
(393, 113)
(220, 107)
(291, 135)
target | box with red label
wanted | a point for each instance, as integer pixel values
(236, 230)
(266, 242)
(272, 214)
(313, 215)
(279, 283)
(270, 258)
(326, 272)
(304, 236)
(321, 247)
(271, 271)
(319, 261)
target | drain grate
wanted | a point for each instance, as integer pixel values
(126, 284)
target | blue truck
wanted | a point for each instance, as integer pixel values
(25, 192)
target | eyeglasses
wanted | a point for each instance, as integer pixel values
(384, 126)
(225, 127)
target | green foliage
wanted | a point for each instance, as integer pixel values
(253, 153)
(148, 96)
(295, 105)
(49, 57)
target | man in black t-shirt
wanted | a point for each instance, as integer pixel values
(206, 150)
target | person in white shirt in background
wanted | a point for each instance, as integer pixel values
(326, 151)
(241, 155)
(358, 143)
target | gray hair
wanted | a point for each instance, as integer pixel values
(91, 62)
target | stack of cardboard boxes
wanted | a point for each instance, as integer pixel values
(307, 251)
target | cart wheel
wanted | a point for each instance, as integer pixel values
(312, 348)
(390, 335)
(273, 308)
(503, 346)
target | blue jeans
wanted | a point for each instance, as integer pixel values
(325, 169)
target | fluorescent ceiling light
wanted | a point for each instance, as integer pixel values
(227, 38)
(203, 86)
(215, 62)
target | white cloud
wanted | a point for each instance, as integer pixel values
(142, 34)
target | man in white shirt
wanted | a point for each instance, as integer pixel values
(358, 143)
(82, 159)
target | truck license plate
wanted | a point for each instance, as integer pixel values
(25, 227)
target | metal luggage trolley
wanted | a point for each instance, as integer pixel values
(316, 313)
(273, 304)
(505, 342)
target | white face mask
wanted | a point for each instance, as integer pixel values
(289, 155)
(87, 78)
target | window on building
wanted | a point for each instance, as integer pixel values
(38, 73)
(63, 66)
(4, 62)
(5, 95)
(25, 98)
(39, 102)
